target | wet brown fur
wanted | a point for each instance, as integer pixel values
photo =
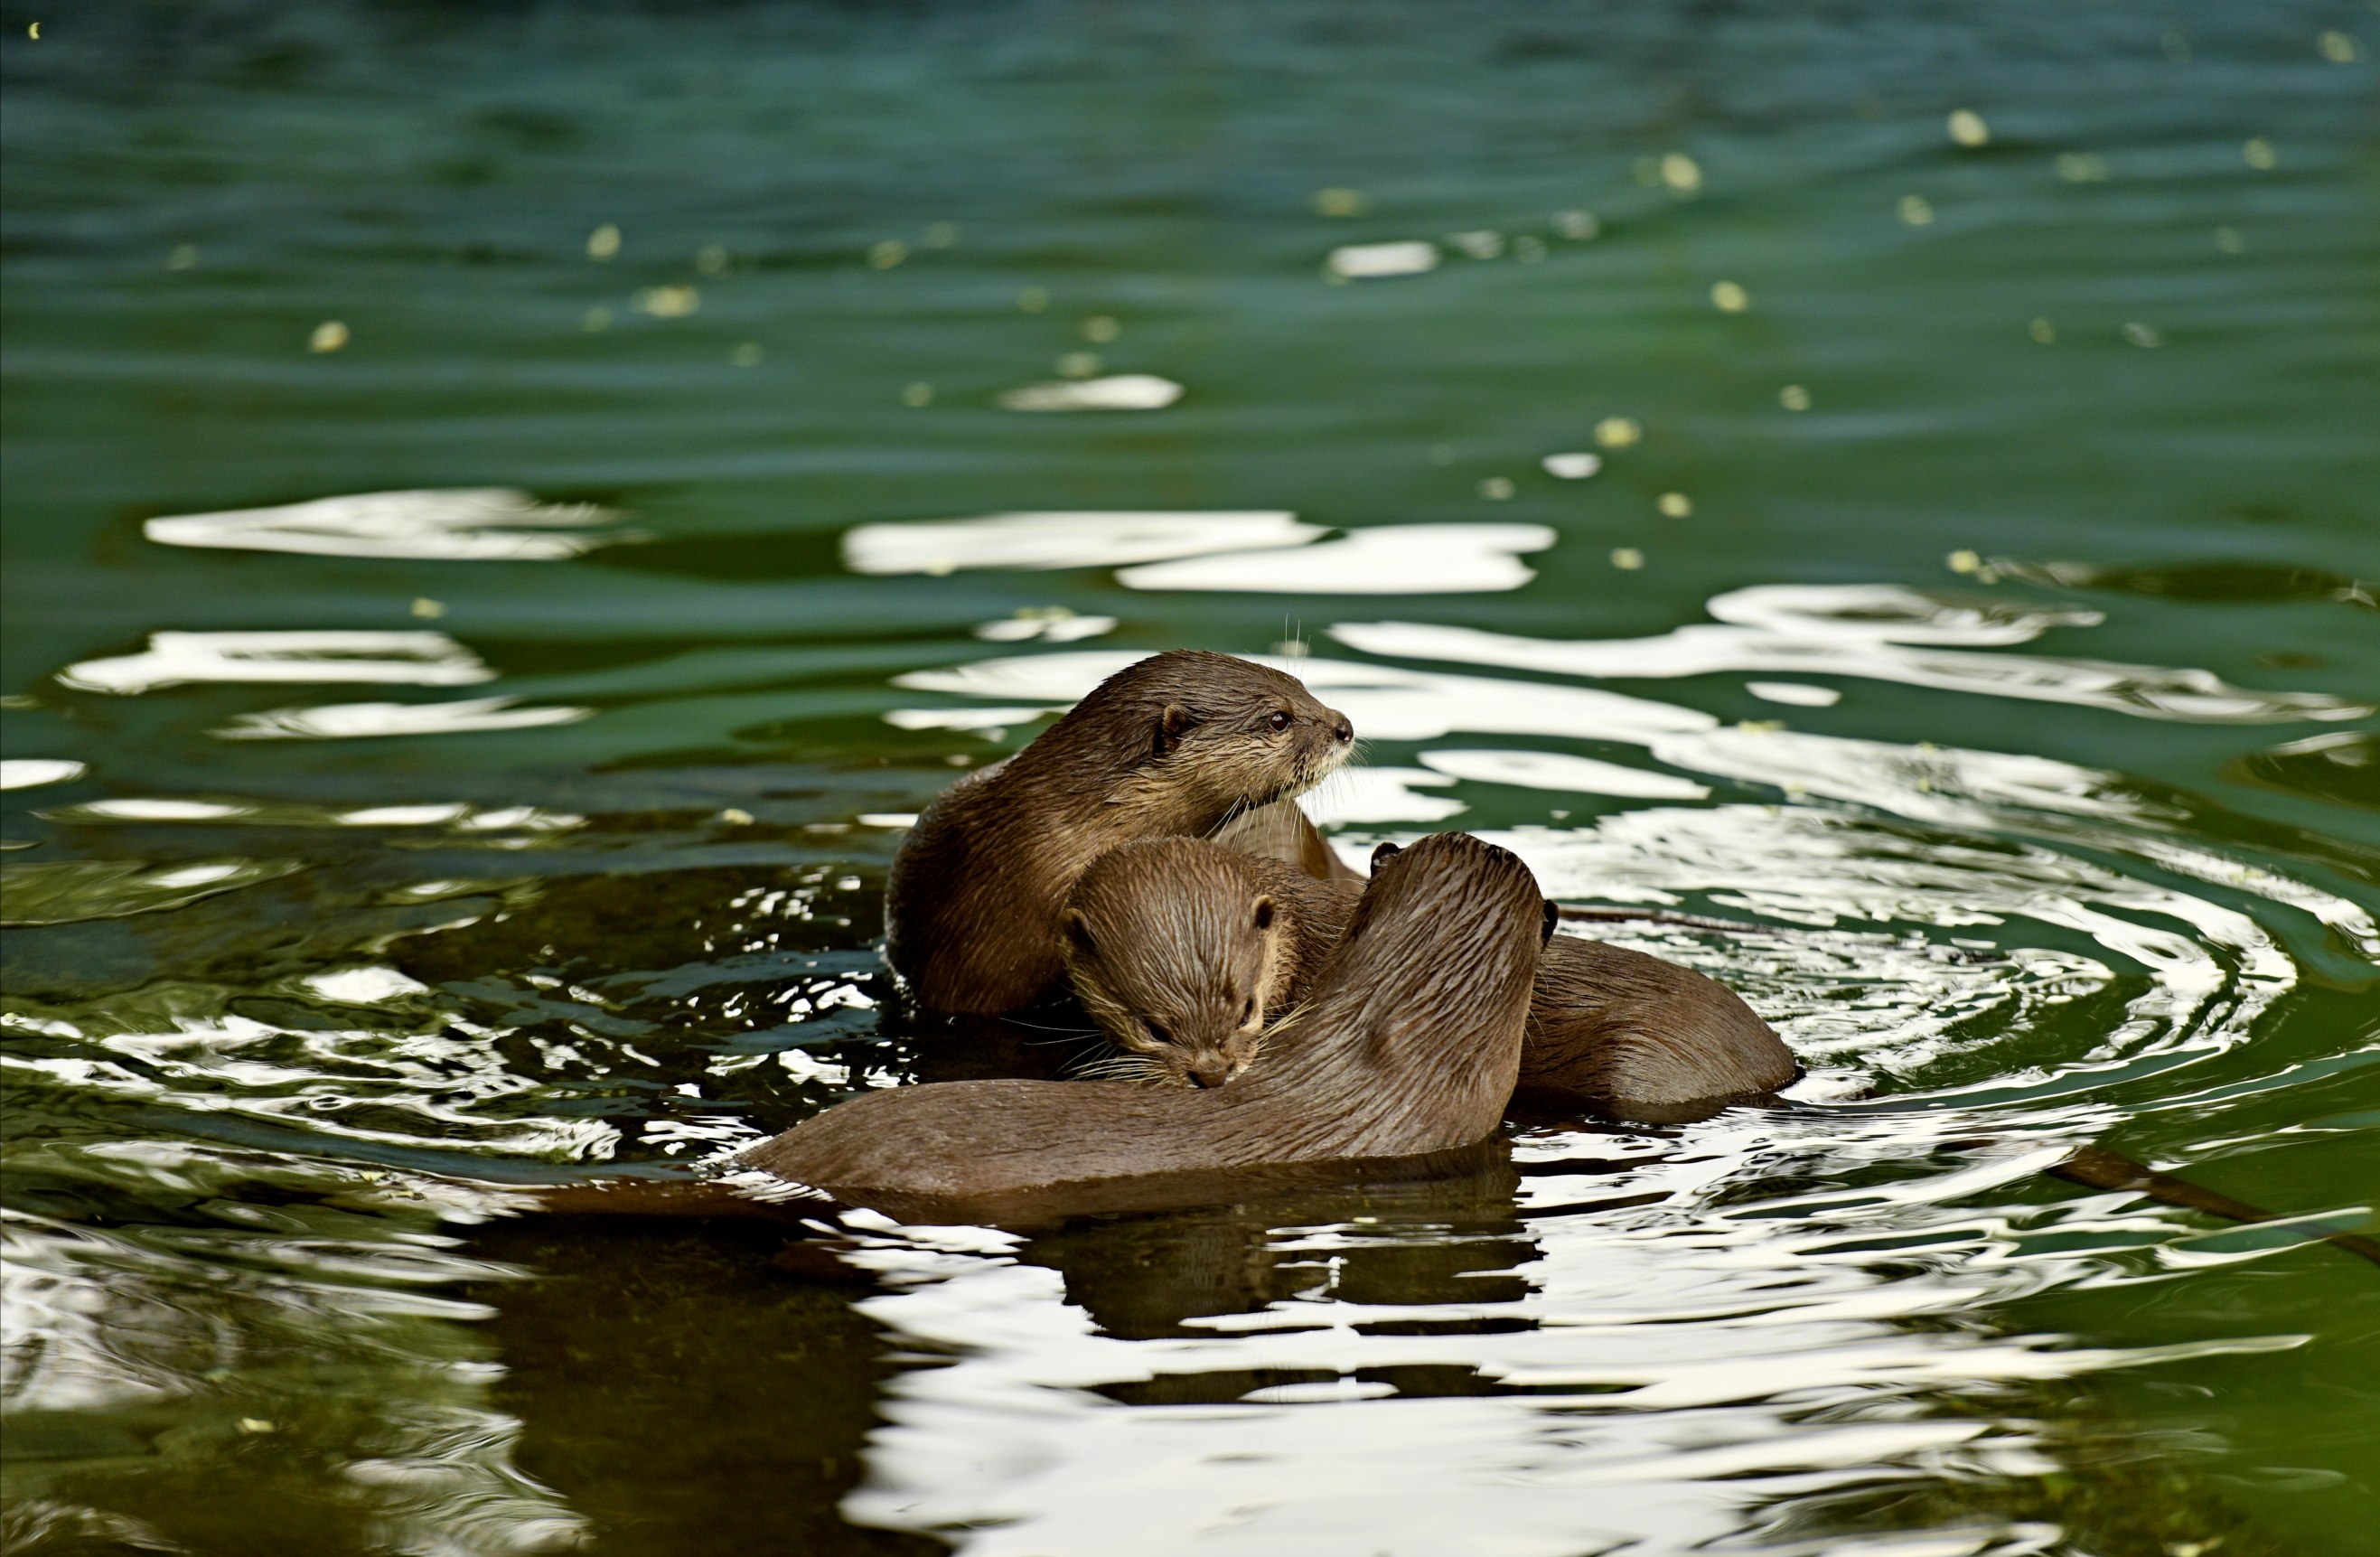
(1169, 933)
(1409, 1043)
(1179, 744)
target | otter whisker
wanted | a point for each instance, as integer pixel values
(1045, 1027)
(1128, 1067)
(1239, 807)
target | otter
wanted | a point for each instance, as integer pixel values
(1181, 950)
(1179, 743)
(1408, 1045)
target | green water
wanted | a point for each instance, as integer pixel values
(298, 997)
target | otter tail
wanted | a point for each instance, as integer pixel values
(2102, 1169)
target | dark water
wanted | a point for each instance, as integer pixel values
(2049, 455)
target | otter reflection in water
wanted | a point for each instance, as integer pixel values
(1181, 951)
(1178, 744)
(1410, 1044)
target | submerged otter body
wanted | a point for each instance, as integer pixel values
(1176, 744)
(1181, 950)
(1409, 1043)
(1638, 1037)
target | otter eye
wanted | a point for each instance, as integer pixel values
(1156, 1032)
(1280, 720)
(1247, 1011)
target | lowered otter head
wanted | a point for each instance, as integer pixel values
(1174, 946)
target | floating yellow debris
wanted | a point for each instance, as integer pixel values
(329, 335)
(1915, 210)
(427, 609)
(1580, 225)
(1674, 504)
(747, 355)
(2082, 167)
(604, 242)
(1682, 173)
(1101, 328)
(1339, 202)
(2258, 154)
(2043, 331)
(2141, 335)
(1496, 488)
(1967, 127)
(2340, 48)
(734, 815)
(1628, 559)
(1033, 300)
(1793, 397)
(885, 255)
(1729, 298)
(917, 395)
(666, 302)
(1617, 432)
(1571, 467)
(1963, 561)
(1078, 365)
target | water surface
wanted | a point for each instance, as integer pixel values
(1972, 592)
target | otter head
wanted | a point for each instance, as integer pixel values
(1197, 735)
(1174, 948)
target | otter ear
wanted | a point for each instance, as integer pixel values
(1077, 931)
(1171, 726)
(1553, 918)
(1265, 908)
(1382, 854)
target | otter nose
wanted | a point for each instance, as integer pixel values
(1344, 731)
(1210, 1073)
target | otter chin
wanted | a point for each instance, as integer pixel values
(1178, 744)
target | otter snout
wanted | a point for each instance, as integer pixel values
(1342, 729)
(1208, 1070)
